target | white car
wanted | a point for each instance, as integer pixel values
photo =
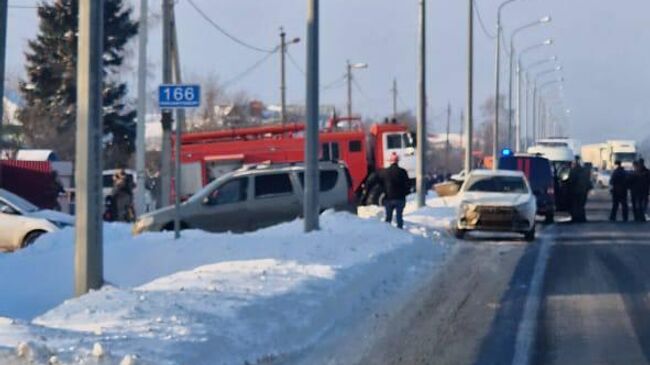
(21, 222)
(496, 201)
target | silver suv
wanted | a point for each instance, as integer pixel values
(254, 197)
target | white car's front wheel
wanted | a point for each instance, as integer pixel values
(31, 238)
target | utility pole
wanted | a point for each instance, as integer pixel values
(3, 50)
(448, 143)
(140, 147)
(283, 82)
(395, 96)
(89, 202)
(462, 129)
(312, 188)
(470, 88)
(180, 123)
(422, 111)
(167, 118)
(349, 77)
(518, 116)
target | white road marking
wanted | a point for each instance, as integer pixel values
(527, 330)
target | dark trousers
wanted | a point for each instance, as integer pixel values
(639, 206)
(577, 210)
(396, 206)
(619, 200)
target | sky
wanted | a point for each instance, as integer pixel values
(603, 49)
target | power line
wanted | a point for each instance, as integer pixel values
(226, 33)
(295, 63)
(482, 23)
(339, 82)
(249, 70)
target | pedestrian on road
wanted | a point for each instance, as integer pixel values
(579, 186)
(122, 196)
(619, 185)
(640, 188)
(397, 186)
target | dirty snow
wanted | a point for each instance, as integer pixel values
(212, 298)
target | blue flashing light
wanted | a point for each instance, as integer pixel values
(506, 152)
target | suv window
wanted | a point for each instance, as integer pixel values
(328, 180)
(394, 141)
(272, 185)
(234, 191)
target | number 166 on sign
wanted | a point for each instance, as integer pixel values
(179, 96)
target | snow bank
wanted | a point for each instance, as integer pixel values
(207, 299)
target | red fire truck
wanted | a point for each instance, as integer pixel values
(207, 155)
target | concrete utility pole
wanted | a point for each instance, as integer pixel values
(140, 147)
(448, 143)
(422, 111)
(462, 129)
(3, 50)
(167, 118)
(395, 96)
(349, 77)
(312, 184)
(283, 76)
(470, 88)
(88, 175)
(180, 123)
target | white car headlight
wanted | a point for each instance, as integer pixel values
(142, 224)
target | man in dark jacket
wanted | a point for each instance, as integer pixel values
(619, 186)
(579, 187)
(397, 186)
(639, 189)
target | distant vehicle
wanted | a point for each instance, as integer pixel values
(21, 222)
(604, 155)
(254, 197)
(496, 201)
(573, 144)
(540, 175)
(602, 179)
(364, 149)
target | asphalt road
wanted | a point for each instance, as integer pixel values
(596, 307)
(589, 303)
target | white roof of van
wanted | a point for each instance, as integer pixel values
(504, 173)
(36, 155)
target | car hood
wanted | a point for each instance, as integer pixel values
(162, 213)
(52, 216)
(495, 199)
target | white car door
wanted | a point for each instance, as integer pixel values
(11, 227)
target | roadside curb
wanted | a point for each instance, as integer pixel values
(527, 331)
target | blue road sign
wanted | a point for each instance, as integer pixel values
(179, 96)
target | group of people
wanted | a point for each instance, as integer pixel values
(625, 184)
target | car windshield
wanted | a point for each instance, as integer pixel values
(625, 157)
(21, 204)
(497, 184)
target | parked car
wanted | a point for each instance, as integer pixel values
(254, 197)
(21, 222)
(539, 172)
(496, 201)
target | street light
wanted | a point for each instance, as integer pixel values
(544, 111)
(536, 89)
(518, 124)
(350, 67)
(283, 67)
(527, 82)
(497, 109)
(541, 21)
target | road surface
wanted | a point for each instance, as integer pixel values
(496, 303)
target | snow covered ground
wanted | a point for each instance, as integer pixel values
(212, 298)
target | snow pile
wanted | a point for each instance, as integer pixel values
(206, 299)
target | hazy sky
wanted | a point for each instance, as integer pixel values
(604, 48)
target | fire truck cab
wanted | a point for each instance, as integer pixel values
(208, 155)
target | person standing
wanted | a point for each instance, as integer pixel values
(619, 186)
(634, 184)
(640, 189)
(579, 187)
(397, 186)
(123, 196)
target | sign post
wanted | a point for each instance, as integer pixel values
(178, 97)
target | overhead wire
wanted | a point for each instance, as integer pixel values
(225, 32)
(249, 70)
(484, 28)
(295, 63)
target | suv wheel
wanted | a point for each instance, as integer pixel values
(459, 234)
(550, 218)
(31, 238)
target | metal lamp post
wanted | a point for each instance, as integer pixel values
(527, 83)
(497, 109)
(535, 99)
(283, 69)
(518, 124)
(542, 21)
